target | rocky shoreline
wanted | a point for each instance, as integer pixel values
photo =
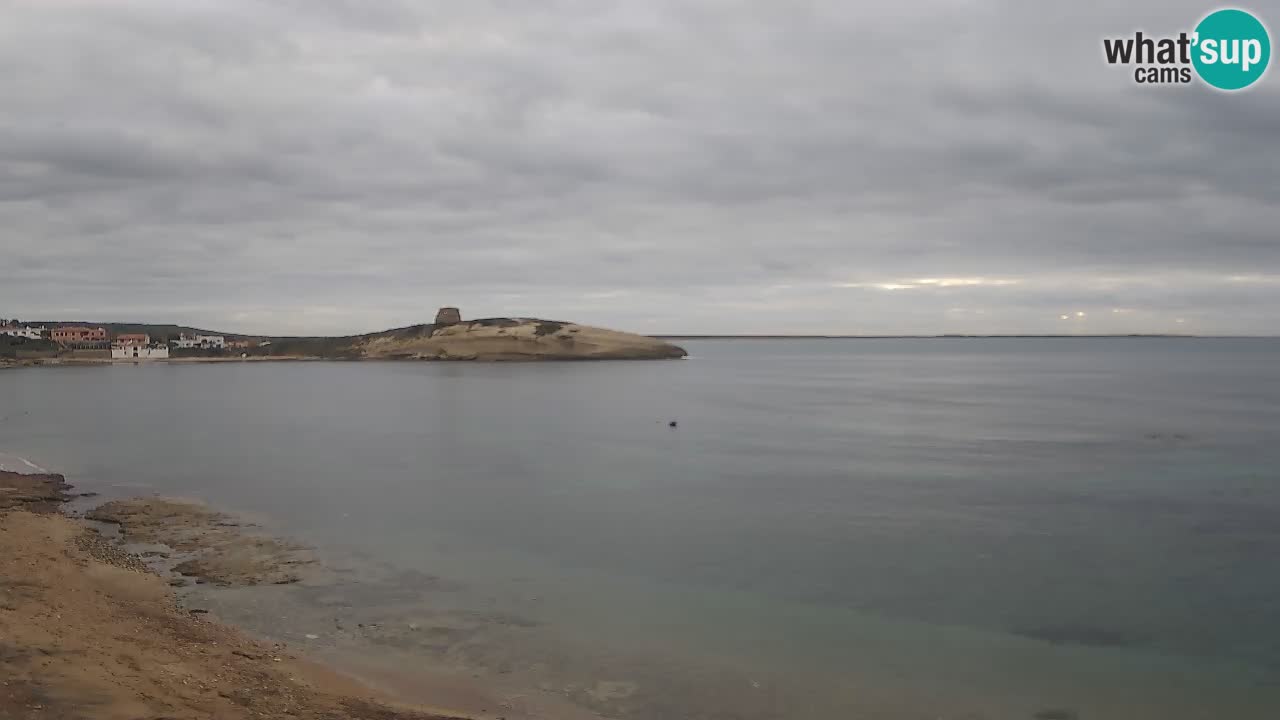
(88, 630)
(201, 543)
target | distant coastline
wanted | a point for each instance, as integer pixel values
(447, 338)
(948, 336)
(485, 340)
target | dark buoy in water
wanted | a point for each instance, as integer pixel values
(671, 424)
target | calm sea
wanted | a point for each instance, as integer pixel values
(903, 529)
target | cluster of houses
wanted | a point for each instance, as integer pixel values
(124, 346)
(28, 332)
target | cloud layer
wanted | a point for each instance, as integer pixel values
(327, 166)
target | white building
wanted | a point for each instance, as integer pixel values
(24, 331)
(139, 352)
(205, 342)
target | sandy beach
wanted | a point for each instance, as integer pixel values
(90, 631)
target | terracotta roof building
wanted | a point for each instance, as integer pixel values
(132, 339)
(78, 335)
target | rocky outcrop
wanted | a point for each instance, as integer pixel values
(37, 492)
(216, 548)
(88, 635)
(451, 338)
(448, 316)
(513, 339)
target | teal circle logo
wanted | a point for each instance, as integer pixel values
(1232, 49)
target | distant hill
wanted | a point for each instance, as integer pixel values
(513, 339)
(484, 339)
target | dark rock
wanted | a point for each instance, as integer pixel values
(41, 493)
(1057, 714)
(1082, 635)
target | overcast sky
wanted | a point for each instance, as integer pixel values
(333, 166)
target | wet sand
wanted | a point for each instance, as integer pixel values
(89, 631)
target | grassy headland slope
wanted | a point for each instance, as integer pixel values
(489, 339)
(16, 348)
(513, 339)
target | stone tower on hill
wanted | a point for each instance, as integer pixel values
(448, 316)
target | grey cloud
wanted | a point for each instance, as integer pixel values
(337, 166)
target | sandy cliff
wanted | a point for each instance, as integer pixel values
(513, 339)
